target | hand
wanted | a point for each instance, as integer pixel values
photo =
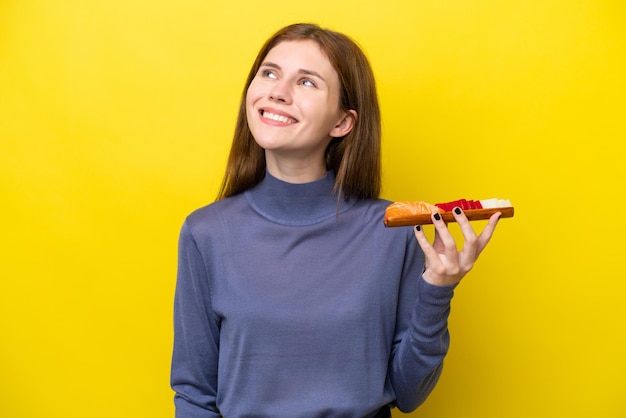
(445, 265)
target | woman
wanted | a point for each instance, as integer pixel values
(292, 298)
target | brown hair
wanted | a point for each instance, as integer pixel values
(355, 158)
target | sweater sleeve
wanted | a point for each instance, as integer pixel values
(196, 335)
(422, 337)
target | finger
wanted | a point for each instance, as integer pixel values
(448, 255)
(469, 236)
(437, 243)
(427, 248)
(487, 233)
(447, 241)
(433, 262)
(467, 255)
(423, 242)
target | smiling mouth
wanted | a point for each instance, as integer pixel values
(277, 118)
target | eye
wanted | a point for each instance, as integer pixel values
(268, 74)
(307, 83)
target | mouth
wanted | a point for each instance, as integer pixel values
(276, 117)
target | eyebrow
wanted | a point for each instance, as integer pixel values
(300, 71)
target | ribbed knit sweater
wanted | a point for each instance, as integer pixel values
(287, 307)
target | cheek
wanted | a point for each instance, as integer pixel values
(249, 95)
(255, 91)
(252, 92)
(250, 100)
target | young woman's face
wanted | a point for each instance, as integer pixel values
(292, 103)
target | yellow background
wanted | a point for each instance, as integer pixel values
(115, 122)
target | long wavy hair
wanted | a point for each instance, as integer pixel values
(355, 158)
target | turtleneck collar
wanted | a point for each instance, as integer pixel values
(296, 204)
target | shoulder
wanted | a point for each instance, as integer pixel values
(396, 245)
(373, 209)
(372, 213)
(211, 217)
(375, 205)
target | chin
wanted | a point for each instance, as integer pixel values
(269, 140)
(268, 144)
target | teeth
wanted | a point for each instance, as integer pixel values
(278, 118)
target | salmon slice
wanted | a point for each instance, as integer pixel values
(407, 208)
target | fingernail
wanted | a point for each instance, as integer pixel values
(418, 228)
(457, 211)
(437, 217)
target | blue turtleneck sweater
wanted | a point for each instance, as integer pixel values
(288, 307)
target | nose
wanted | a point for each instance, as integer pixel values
(280, 92)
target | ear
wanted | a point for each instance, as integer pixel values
(345, 125)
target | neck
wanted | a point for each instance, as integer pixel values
(292, 171)
(296, 204)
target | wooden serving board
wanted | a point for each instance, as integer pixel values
(423, 219)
